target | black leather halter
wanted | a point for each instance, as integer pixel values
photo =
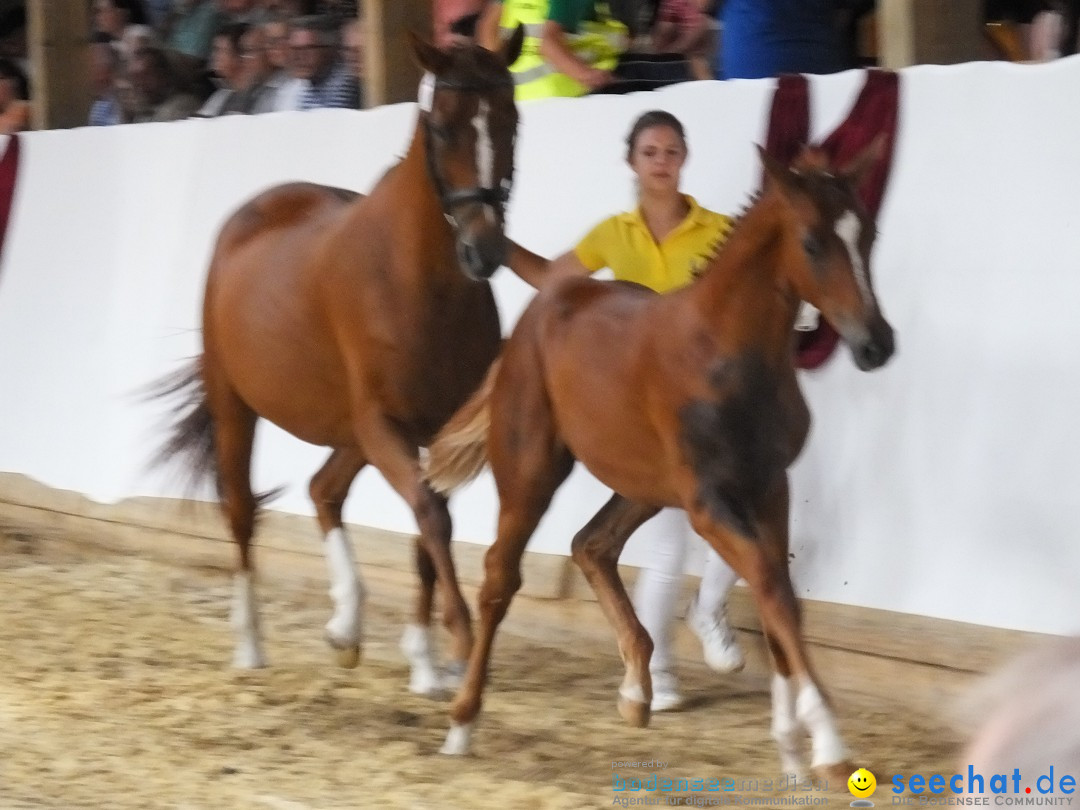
(495, 196)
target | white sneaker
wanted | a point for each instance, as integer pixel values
(665, 692)
(718, 643)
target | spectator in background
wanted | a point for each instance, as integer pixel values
(137, 37)
(105, 66)
(446, 12)
(764, 38)
(241, 11)
(682, 27)
(352, 46)
(227, 66)
(193, 28)
(113, 16)
(258, 95)
(156, 95)
(314, 45)
(14, 98)
(285, 86)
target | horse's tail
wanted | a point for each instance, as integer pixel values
(459, 452)
(192, 437)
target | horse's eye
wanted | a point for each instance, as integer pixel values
(813, 247)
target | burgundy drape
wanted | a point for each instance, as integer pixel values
(874, 112)
(9, 170)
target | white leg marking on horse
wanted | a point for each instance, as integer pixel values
(485, 153)
(631, 690)
(810, 708)
(785, 728)
(416, 646)
(245, 622)
(458, 739)
(849, 228)
(346, 590)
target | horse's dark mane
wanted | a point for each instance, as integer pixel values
(722, 239)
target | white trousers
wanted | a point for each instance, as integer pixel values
(667, 537)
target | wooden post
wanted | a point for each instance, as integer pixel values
(390, 74)
(58, 39)
(914, 32)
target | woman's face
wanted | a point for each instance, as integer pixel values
(657, 159)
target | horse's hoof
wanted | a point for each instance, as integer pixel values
(425, 680)
(347, 657)
(634, 712)
(834, 774)
(457, 740)
(248, 658)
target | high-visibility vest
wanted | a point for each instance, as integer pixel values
(598, 43)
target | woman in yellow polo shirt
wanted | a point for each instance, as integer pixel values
(660, 244)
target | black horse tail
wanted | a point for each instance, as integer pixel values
(193, 438)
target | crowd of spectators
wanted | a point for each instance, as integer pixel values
(161, 60)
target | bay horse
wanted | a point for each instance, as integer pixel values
(687, 399)
(360, 323)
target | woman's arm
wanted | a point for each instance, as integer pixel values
(537, 271)
(556, 50)
(487, 30)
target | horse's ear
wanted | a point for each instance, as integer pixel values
(775, 171)
(510, 49)
(427, 55)
(858, 166)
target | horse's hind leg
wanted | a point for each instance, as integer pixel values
(596, 549)
(234, 435)
(529, 464)
(329, 488)
(398, 460)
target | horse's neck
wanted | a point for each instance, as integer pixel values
(413, 202)
(744, 296)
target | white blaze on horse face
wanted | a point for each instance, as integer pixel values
(485, 153)
(849, 229)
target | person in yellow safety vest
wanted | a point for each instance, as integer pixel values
(571, 46)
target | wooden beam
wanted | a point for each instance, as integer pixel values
(915, 32)
(390, 74)
(60, 62)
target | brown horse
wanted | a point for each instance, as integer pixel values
(687, 399)
(361, 324)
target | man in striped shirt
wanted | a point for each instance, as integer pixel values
(327, 81)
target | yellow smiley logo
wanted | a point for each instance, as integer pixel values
(862, 783)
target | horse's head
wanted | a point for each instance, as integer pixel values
(470, 123)
(828, 240)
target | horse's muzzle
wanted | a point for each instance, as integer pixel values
(877, 348)
(482, 255)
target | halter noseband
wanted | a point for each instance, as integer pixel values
(497, 196)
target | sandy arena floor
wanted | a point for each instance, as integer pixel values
(115, 692)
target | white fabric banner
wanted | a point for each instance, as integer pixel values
(941, 485)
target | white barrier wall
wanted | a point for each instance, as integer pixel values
(941, 485)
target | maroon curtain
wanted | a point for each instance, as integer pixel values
(9, 170)
(874, 112)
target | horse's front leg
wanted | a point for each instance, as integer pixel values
(762, 561)
(398, 460)
(596, 549)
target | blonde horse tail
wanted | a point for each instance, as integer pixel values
(459, 452)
